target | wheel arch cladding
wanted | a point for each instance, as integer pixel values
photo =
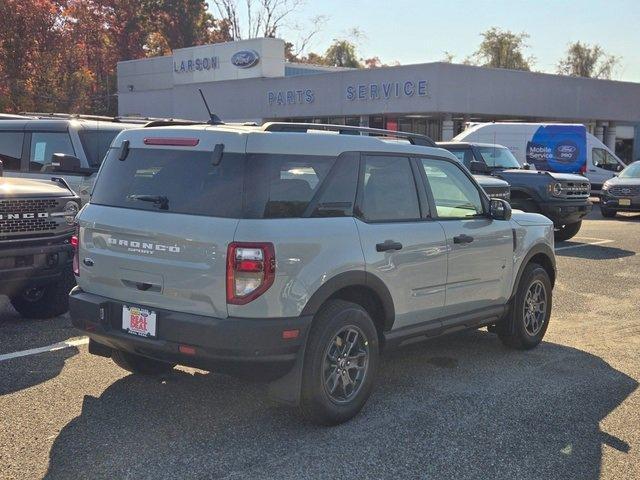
(541, 254)
(360, 287)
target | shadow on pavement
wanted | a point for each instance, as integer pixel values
(459, 407)
(592, 252)
(25, 372)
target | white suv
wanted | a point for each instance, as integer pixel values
(281, 251)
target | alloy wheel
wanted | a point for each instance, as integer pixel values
(346, 361)
(535, 308)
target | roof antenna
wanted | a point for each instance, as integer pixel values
(213, 118)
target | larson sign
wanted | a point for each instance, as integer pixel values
(197, 64)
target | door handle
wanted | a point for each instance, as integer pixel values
(388, 245)
(462, 239)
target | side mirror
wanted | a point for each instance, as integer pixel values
(526, 166)
(478, 167)
(500, 209)
(63, 163)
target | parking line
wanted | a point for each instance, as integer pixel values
(49, 348)
(601, 242)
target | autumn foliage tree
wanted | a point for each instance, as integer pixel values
(61, 55)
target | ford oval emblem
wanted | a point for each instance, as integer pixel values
(245, 58)
(566, 148)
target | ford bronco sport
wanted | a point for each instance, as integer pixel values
(36, 225)
(298, 253)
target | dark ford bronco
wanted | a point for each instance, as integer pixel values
(36, 224)
(561, 197)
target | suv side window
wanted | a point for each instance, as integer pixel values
(603, 159)
(281, 186)
(454, 195)
(464, 156)
(11, 149)
(389, 190)
(336, 198)
(44, 145)
(96, 144)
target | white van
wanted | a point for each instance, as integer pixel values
(566, 148)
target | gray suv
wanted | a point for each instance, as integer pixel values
(35, 145)
(298, 256)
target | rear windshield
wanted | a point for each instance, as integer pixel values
(177, 181)
(240, 186)
(96, 144)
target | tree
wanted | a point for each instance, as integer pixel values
(342, 53)
(448, 57)
(25, 26)
(583, 60)
(183, 23)
(502, 49)
(263, 17)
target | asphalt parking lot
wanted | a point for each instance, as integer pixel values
(458, 407)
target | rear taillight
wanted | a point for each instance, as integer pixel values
(75, 243)
(251, 269)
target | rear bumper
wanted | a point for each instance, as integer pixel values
(613, 203)
(566, 212)
(33, 266)
(219, 343)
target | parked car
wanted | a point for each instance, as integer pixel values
(36, 224)
(562, 197)
(555, 147)
(247, 249)
(622, 193)
(76, 144)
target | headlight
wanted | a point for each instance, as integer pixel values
(605, 187)
(555, 189)
(70, 212)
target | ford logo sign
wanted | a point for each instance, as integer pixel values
(245, 58)
(566, 149)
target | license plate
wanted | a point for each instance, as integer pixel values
(624, 202)
(139, 321)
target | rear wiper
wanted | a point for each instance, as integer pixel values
(161, 201)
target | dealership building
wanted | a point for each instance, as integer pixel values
(251, 81)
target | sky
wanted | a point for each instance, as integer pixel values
(414, 31)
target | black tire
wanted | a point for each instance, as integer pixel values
(141, 365)
(567, 231)
(608, 213)
(319, 403)
(45, 302)
(514, 331)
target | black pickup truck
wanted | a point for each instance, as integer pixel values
(36, 255)
(561, 197)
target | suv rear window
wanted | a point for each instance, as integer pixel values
(188, 181)
(96, 144)
(241, 186)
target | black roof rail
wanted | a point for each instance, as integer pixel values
(12, 116)
(69, 116)
(167, 122)
(145, 121)
(413, 138)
